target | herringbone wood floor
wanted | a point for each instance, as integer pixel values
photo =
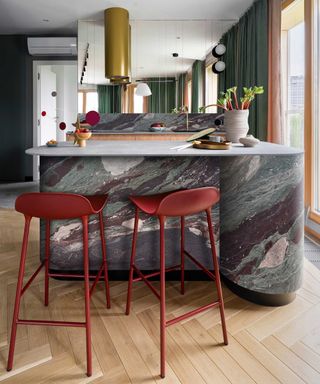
(267, 345)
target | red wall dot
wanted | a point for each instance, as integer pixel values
(92, 117)
(43, 113)
(62, 125)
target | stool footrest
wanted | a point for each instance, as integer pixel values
(145, 279)
(198, 264)
(70, 275)
(153, 274)
(52, 323)
(192, 313)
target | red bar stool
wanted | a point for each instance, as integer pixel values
(59, 206)
(180, 203)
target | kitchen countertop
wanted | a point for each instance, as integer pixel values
(155, 148)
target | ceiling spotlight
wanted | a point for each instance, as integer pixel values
(218, 67)
(219, 50)
(175, 54)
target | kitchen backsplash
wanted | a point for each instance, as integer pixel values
(141, 122)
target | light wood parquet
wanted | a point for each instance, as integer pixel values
(267, 345)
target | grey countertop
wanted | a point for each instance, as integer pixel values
(155, 148)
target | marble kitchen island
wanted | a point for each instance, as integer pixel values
(258, 223)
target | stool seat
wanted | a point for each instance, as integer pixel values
(59, 205)
(149, 203)
(182, 202)
(97, 202)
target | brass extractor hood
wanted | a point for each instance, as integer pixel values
(117, 45)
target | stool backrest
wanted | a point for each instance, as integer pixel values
(52, 206)
(188, 202)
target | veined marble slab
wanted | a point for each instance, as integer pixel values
(258, 224)
(155, 149)
(121, 177)
(141, 122)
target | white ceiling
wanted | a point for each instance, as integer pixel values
(28, 16)
(152, 45)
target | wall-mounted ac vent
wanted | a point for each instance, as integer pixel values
(52, 46)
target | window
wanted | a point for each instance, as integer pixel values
(211, 89)
(189, 95)
(87, 101)
(315, 134)
(138, 103)
(312, 116)
(292, 57)
(92, 101)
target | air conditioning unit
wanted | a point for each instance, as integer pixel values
(52, 46)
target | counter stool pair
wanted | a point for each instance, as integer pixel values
(59, 206)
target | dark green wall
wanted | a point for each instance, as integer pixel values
(15, 116)
(16, 107)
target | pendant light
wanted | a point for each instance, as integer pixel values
(143, 89)
(218, 67)
(117, 44)
(219, 50)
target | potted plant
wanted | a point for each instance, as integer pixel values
(236, 113)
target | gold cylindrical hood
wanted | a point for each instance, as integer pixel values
(117, 44)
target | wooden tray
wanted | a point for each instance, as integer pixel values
(207, 144)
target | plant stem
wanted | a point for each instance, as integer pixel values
(236, 100)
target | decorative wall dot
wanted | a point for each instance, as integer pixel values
(43, 113)
(53, 93)
(92, 117)
(62, 125)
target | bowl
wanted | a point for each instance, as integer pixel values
(249, 141)
(52, 145)
(82, 137)
(157, 129)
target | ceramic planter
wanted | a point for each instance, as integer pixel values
(236, 124)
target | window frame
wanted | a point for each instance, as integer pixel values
(311, 29)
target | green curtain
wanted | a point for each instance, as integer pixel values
(109, 98)
(197, 93)
(163, 98)
(246, 61)
(181, 90)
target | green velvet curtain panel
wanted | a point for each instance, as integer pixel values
(181, 90)
(109, 98)
(246, 61)
(197, 93)
(163, 98)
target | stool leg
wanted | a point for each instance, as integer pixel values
(162, 297)
(87, 293)
(104, 261)
(217, 276)
(132, 259)
(182, 254)
(47, 261)
(18, 291)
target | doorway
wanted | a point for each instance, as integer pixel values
(55, 102)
